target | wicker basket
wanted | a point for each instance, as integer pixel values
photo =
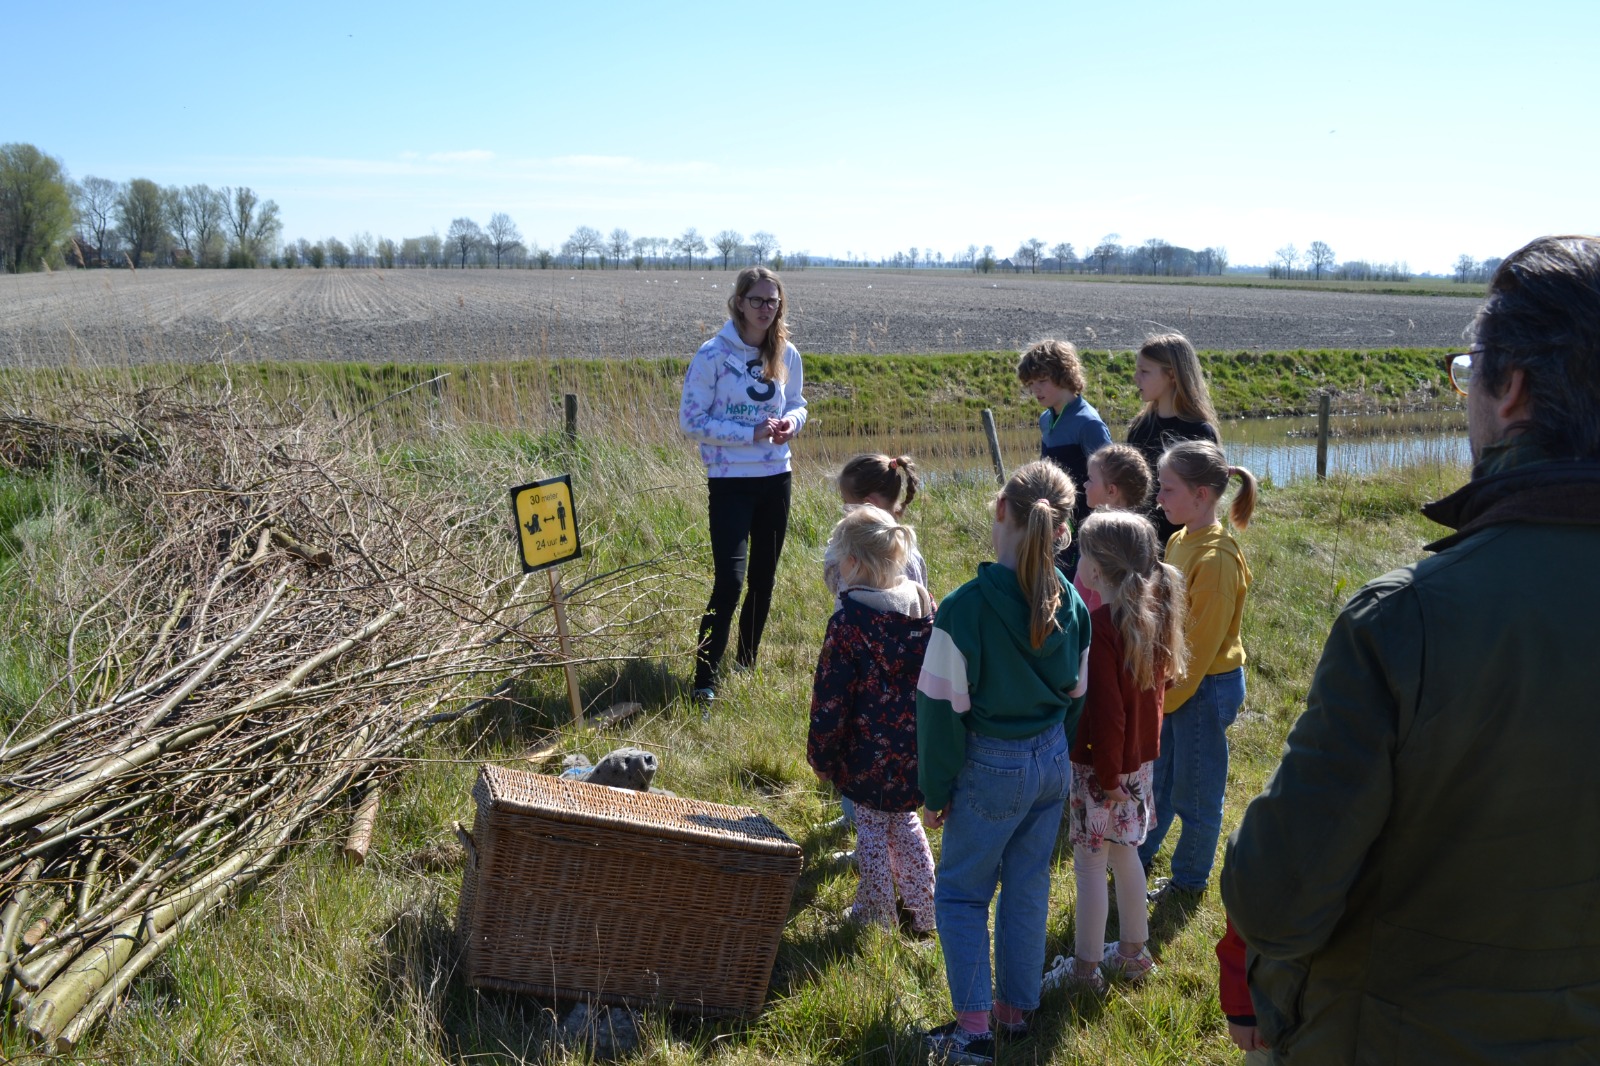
(582, 891)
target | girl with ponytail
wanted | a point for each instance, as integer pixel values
(1138, 648)
(1001, 688)
(1192, 773)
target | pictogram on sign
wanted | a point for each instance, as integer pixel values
(547, 522)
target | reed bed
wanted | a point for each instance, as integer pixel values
(273, 618)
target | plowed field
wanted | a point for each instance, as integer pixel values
(117, 316)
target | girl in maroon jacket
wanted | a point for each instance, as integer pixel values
(1138, 644)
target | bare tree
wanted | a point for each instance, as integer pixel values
(618, 244)
(913, 255)
(96, 203)
(361, 248)
(338, 251)
(140, 218)
(1035, 252)
(462, 237)
(690, 244)
(1290, 255)
(1064, 256)
(584, 239)
(206, 209)
(254, 223)
(1320, 256)
(1107, 250)
(1466, 266)
(727, 242)
(763, 245)
(176, 214)
(502, 235)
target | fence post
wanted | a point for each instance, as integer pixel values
(994, 447)
(1323, 406)
(571, 400)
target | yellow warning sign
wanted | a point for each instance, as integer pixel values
(547, 522)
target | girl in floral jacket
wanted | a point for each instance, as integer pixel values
(863, 736)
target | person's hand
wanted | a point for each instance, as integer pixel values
(933, 819)
(1246, 1037)
(1118, 794)
(763, 430)
(782, 429)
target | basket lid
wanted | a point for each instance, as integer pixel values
(566, 800)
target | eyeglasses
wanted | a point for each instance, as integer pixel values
(1460, 366)
(763, 303)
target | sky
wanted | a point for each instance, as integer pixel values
(1406, 131)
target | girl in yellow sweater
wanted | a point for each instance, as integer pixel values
(1191, 772)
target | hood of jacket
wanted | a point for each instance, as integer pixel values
(729, 335)
(1517, 481)
(1003, 594)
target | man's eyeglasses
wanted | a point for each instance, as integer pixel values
(763, 303)
(1460, 365)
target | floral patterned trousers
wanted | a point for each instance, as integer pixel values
(892, 852)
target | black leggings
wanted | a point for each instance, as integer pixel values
(749, 517)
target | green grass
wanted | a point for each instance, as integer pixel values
(324, 963)
(848, 395)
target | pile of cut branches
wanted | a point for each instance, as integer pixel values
(279, 627)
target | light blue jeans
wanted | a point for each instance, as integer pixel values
(1191, 776)
(1005, 812)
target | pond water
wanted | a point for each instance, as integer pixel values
(1277, 450)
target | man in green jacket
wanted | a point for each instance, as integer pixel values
(1420, 880)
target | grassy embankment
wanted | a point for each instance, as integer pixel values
(863, 395)
(327, 964)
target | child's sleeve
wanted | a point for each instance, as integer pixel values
(1232, 987)
(699, 400)
(832, 696)
(942, 701)
(1094, 436)
(1105, 713)
(1212, 587)
(794, 389)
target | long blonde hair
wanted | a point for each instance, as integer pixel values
(1201, 464)
(1146, 595)
(777, 339)
(1039, 499)
(1190, 396)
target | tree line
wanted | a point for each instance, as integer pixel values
(47, 219)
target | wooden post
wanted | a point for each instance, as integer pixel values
(571, 401)
(566, 645)
(994, 447)
(1323, 406)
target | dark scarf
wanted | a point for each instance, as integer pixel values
(1515, 482)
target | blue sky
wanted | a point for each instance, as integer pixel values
(1412, 131)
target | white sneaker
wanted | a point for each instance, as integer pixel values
(1064, 974)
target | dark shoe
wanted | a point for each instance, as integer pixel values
(951, 1045)
(1165, 890)
(703, 698)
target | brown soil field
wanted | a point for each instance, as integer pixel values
(165, 316)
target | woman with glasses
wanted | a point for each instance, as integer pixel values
(742, 402)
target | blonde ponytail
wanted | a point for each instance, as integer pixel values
(1039, 498)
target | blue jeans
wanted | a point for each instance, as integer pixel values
(1005, 811)
(1191, 776)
